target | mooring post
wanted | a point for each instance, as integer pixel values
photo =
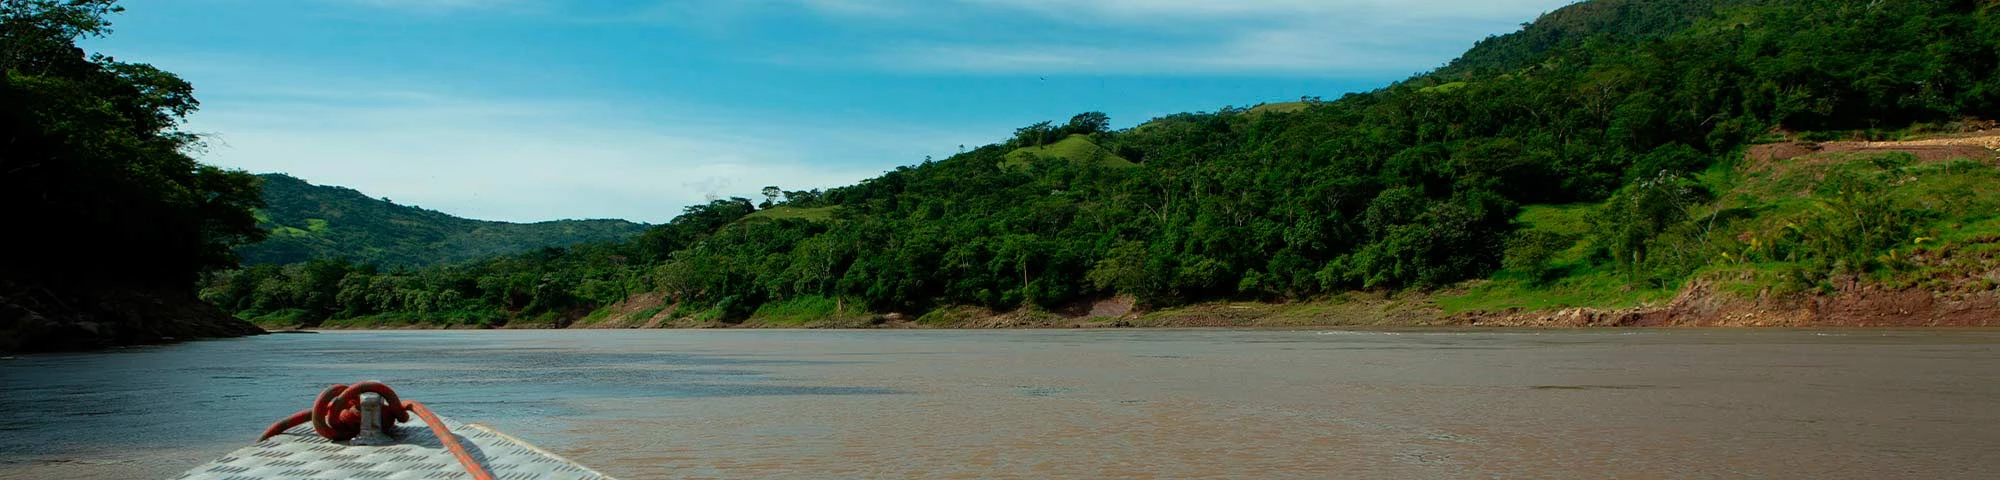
(371, 422)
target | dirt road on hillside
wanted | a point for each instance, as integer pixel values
(1983, 145)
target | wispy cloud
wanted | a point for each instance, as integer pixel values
(431, 4)
(1035, 37)
(1291, 52)
(537, 109)
(525, 160)
(1177, 10)
(1242, 37)
(440, 6)
(860, 7)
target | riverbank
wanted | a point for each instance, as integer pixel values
(37, 319)
(1701, 304)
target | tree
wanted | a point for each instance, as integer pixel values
(1088, 123)
(95, 163)
(803, 198)
(1035, 135)
(771, 195)
(110, 223)
(1626, 226)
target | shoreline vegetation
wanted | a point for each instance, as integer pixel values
(1615, 162)
(1942, 279)
(1870, 309)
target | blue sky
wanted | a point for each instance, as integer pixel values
(528, 110)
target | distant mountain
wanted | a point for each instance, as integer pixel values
(310, 222)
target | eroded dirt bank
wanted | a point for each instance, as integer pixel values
(1980, 145)
(1701, 306)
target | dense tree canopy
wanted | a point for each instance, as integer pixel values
(1417, 184)
(96, 186)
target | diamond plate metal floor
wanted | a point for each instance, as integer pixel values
(300, 454)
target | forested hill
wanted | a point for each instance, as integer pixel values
(1596, 156)
(309, 222)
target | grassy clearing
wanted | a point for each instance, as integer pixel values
(1569, 219)
(1957, 249)
(817, 214)
(1952, 202)
(1443, 88)
(1279, 107)
(1076, 148)
(1762, 233)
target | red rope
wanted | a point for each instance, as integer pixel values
(334, 416)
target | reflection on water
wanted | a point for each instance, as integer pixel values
(1038, 404)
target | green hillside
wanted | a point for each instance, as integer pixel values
(310, 222)
(1613, 22)
(1597, 157)
(1787, 227)
(1075, 148)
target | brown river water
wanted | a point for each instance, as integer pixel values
(1583, 404)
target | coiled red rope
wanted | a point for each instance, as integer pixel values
(334, 416)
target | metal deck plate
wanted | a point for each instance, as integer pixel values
(417, 454)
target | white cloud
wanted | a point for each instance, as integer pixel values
(525, 160)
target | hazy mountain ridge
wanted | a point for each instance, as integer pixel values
(311, 222)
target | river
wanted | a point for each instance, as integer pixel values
(1070, 403)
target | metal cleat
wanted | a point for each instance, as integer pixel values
(371, 423)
